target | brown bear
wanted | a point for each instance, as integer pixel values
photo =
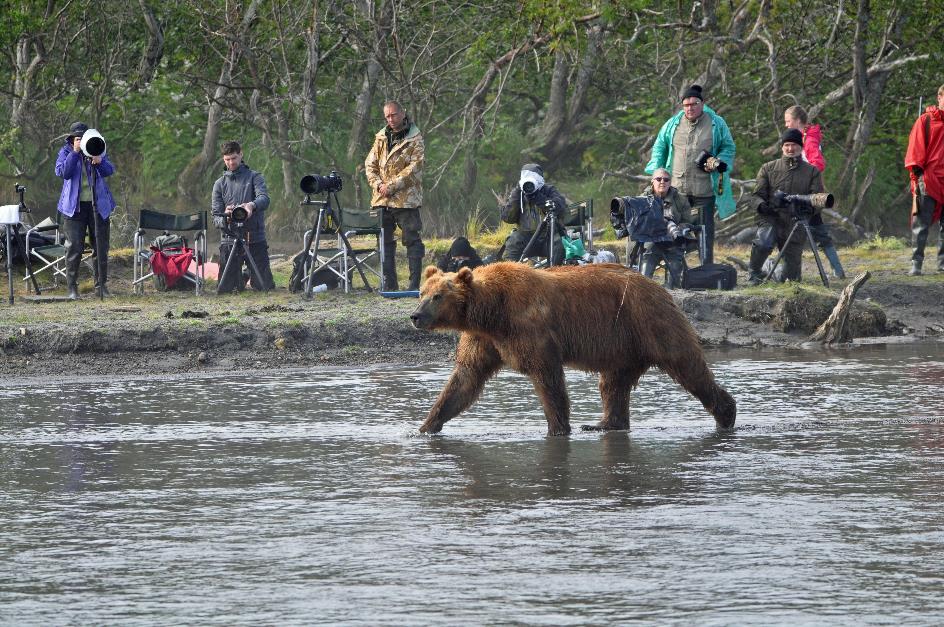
(599, 317)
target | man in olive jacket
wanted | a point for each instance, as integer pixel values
(394, 168)
(791, 175)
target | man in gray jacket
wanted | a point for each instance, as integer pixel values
(241, 187)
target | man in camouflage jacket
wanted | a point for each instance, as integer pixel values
(394, 168)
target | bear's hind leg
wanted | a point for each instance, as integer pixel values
(615, 388)
(551, 387)
(476, 362)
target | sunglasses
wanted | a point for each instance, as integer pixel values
(661, 179)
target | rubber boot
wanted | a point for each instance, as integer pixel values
(756, 274)
(101, 289)
(72, 278)
(915, 268)
(647, 267)
(389, 268)
(416, 271)
(830, 251)
(674, 280)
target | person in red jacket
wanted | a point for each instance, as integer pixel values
(924, 161)
(795, 117)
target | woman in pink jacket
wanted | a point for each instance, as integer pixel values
(795, 117)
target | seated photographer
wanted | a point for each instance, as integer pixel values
(789, 175)
(239, 202)
(525, 207)
(677, 214)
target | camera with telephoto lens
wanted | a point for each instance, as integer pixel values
(709, 163)
(239, 215)
(618, 208)
(317, 184)
(528, 187)
(804, 205)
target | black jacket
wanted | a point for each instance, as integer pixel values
(528, 217)
(235, 188)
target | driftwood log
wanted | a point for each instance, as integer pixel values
(835, 330)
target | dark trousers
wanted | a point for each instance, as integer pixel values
(76, 228)
(410, 225)
(235, 279)
(705, 208)
(921, 227)
(773, 231)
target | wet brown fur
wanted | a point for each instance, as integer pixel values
(601, 318)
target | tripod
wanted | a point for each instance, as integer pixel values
(548, 224)
(11, 225)
(240, 248)
(327, 218)
(799, 220)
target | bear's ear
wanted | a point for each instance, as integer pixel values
(430, 272)
(464, 275)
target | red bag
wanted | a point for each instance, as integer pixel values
(170, 263)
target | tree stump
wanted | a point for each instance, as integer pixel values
(835, 330)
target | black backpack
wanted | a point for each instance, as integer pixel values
(710, 276)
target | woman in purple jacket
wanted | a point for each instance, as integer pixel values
(75, 203)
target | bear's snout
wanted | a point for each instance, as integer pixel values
(420, 318)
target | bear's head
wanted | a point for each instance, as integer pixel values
(443, 299)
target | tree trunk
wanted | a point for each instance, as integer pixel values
(835, 330)
(555, 144)
(190, 181)
(365, 99)
(154, 50)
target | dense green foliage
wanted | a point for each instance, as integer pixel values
(582, 88)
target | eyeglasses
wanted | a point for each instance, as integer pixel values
(661, 179)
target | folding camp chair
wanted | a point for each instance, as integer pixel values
(195, 223)
(51, 255)
(344, 257)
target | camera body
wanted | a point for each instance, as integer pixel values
(317, 184)
(710, 163)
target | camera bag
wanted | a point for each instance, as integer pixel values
(710, 276)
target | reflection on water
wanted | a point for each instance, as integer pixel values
(309, 498)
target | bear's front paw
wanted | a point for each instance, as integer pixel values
(431, 427)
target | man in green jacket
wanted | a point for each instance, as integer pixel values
(680, 148)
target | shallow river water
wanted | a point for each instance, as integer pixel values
(308, 498)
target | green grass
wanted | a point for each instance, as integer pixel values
(879, 243)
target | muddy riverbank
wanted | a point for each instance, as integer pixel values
(178, 332)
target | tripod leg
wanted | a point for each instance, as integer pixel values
(228, 268)
(315, 242)
(253, 267)
(780, 253)
(529, 245)
(819, 263)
